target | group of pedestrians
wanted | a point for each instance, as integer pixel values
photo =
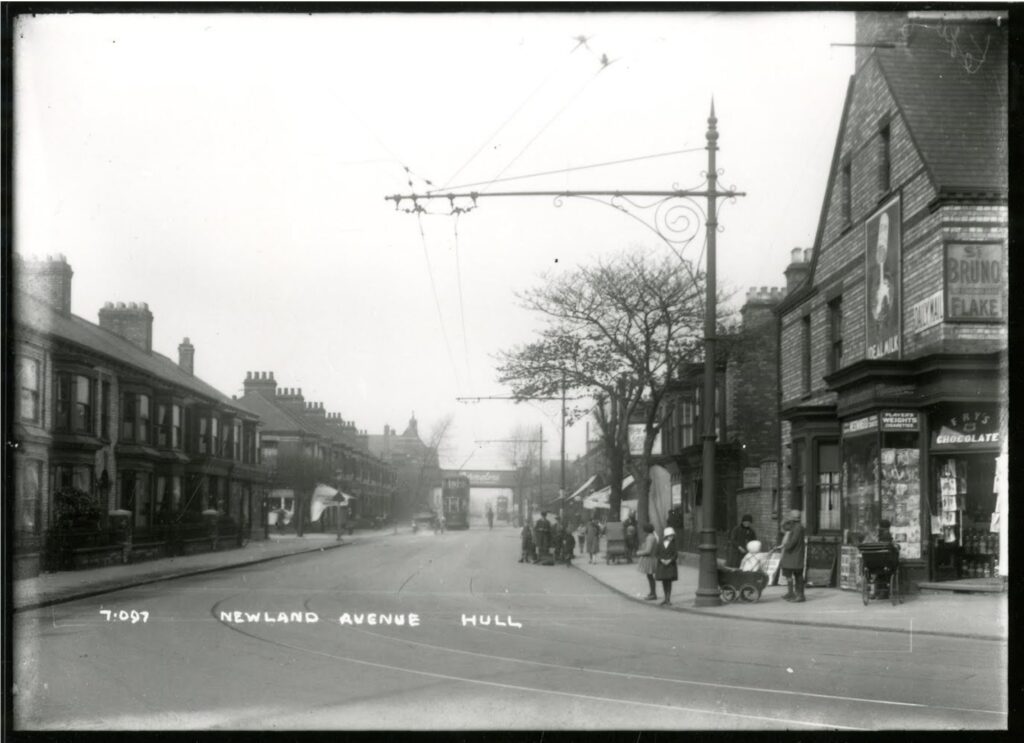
(547, 542)
(744, 553)
(658, 561)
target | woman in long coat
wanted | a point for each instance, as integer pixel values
(648, 562)
(666, 570)
(593, 539)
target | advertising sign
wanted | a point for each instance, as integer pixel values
(900, 420)
(486, 478)
(974, 282)
(636, 440)
(966, 427)
(867, 424)
(882, 274)
(926, 313)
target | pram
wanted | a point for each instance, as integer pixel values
(746, 585)
(881, 574)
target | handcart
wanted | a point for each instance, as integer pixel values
(745, 585)
(881, 577)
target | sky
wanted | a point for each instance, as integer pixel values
(231, 170)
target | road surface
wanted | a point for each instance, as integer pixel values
(560, 651)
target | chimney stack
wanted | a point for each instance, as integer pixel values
(133, 322)
(261, 383)
(760, 305)
(48, 280)
(799, 268)
(187, 356)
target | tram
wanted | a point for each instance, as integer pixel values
(455, 501)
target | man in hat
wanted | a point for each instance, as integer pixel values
(793, 557)
(738, 539)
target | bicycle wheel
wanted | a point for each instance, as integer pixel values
(865, 587)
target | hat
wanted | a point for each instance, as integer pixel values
(884, 524)
(795, 514)
(753, 546)
(669, 532)
(746, 517)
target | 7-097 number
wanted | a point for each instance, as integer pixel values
(132, 616)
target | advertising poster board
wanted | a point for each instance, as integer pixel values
(974, 282)
(884, 287)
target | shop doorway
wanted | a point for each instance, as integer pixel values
(963, 545)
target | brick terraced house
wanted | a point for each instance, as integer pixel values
(118, 450)
(893, 348)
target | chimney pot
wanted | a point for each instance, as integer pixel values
(796, 255)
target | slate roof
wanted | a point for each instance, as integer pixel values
(955, 106)
(43, 318)
(274, 418)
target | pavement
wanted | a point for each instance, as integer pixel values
(70, 585)
(977, 616)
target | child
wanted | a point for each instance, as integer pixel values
(754, 560)
(526, 540)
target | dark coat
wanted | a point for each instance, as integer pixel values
(663, 553)
(793, 547)
(738, 537)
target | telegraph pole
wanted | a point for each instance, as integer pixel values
(707, 589)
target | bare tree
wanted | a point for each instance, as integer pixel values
(523, 450)
(617, 331)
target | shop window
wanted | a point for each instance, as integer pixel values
(835, 317)
(28, 390)
(828, 490)
(29, 503)
(860, 471)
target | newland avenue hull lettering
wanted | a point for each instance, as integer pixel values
(354, 619)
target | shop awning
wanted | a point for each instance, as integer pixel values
(602, 498)
(324, 497)
(583, 488)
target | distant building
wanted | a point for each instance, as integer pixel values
(103, 423)
(416, 466)
(302, 445)
(746, 428)
(893, 346)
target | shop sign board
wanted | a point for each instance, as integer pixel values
(867, 424)
(637, 432)
(967, 427)
(900, 420)
(882, 261)
(926, 313)
(485, 478)
(974, 282)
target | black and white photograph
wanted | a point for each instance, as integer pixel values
(481, 368)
